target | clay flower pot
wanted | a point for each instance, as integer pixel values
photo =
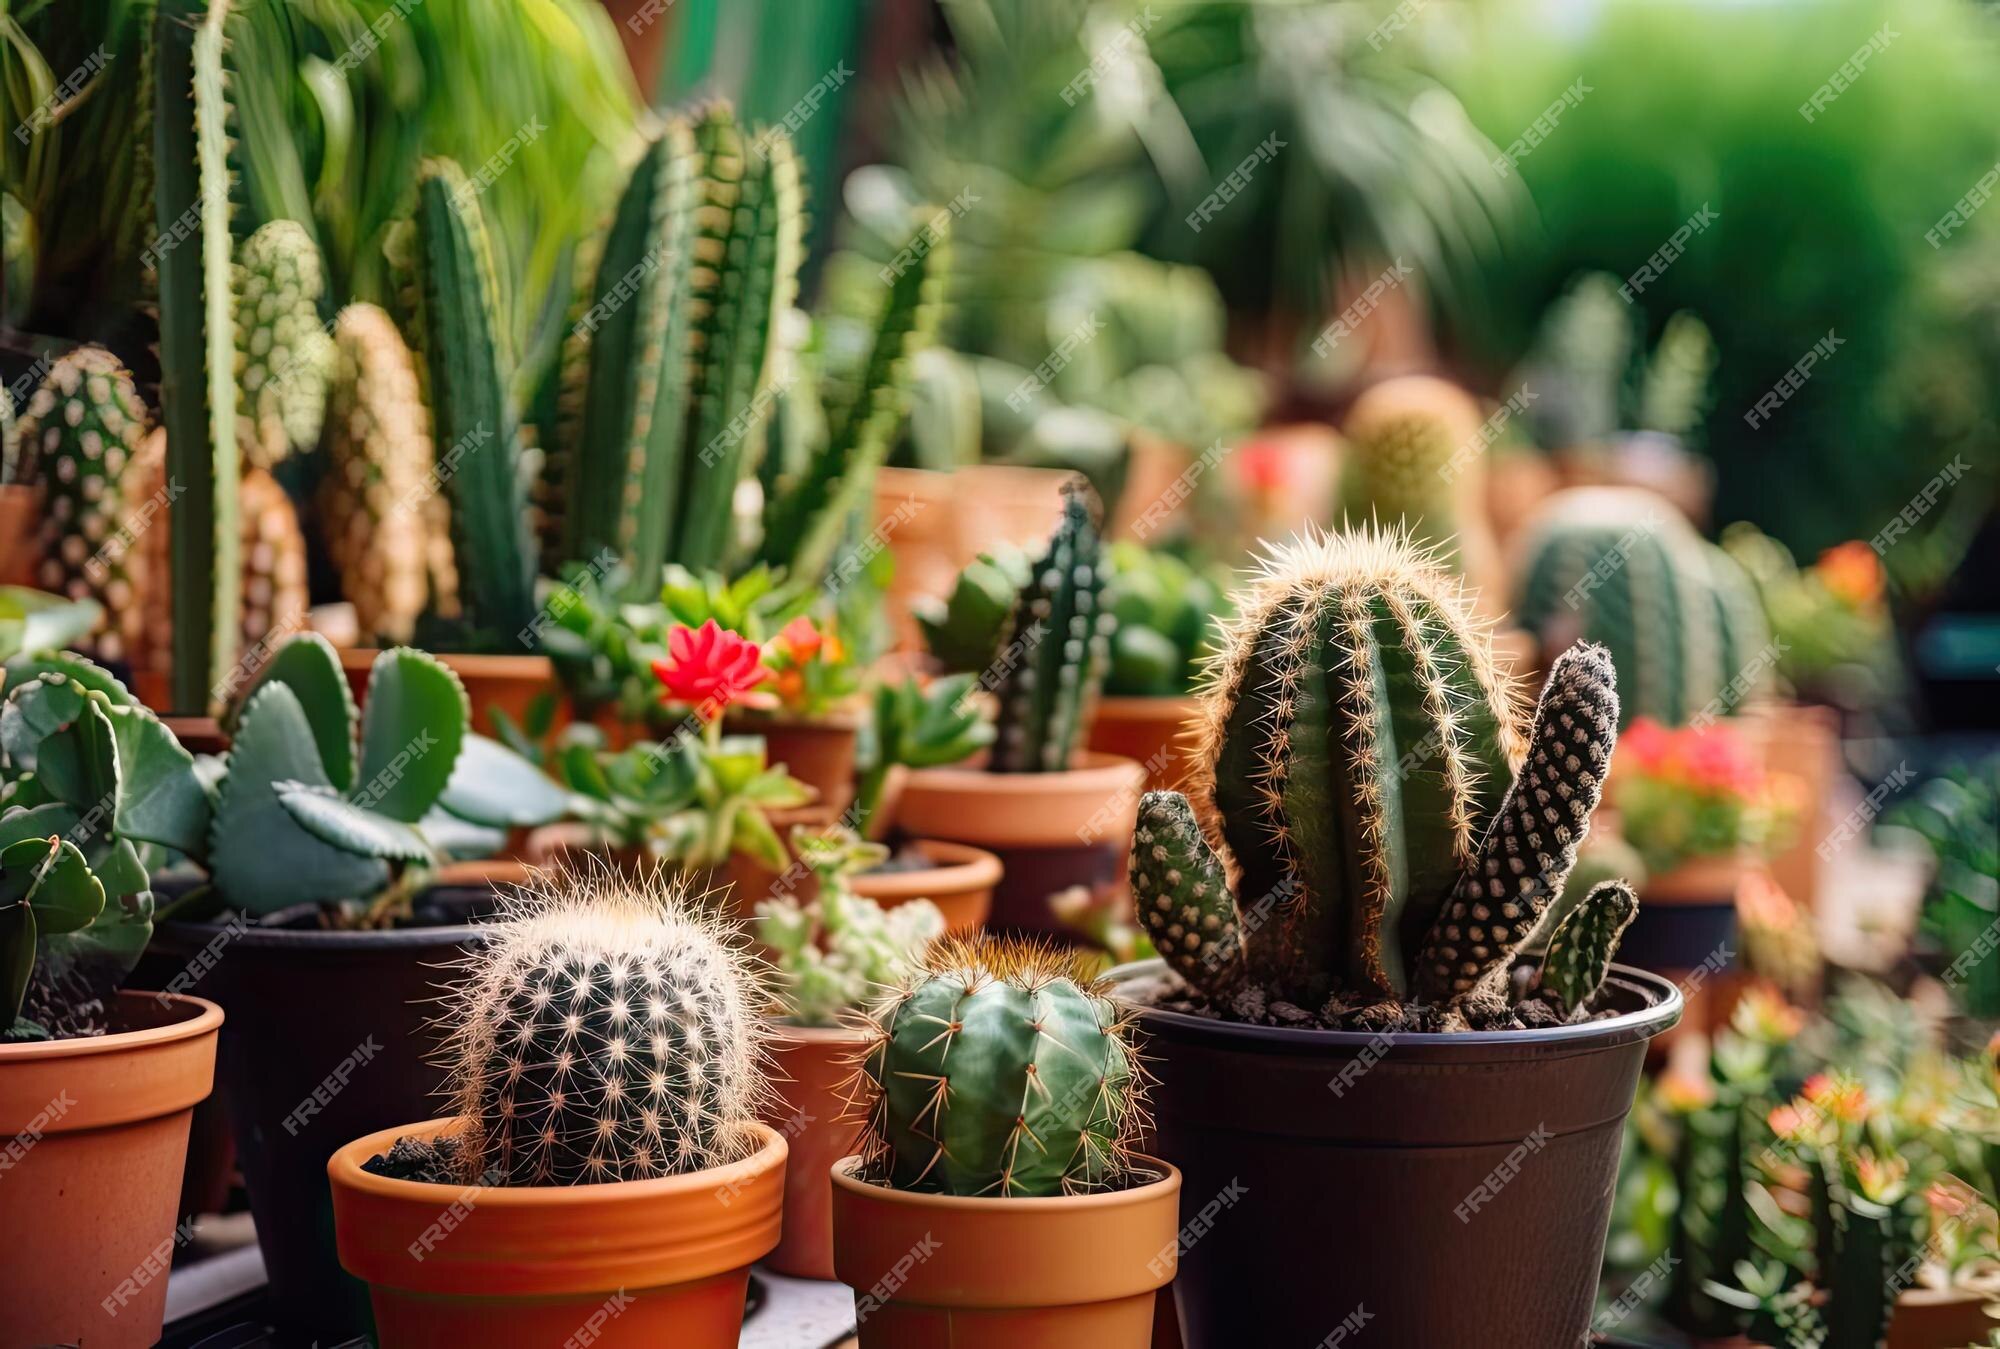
(630, 1263)
(95, 1132)
(811, 1067)
(20, 533)
(510, 683)
(1050, 831)
(934, 1271)
(818, 751)
(1944, 1318)
(960, 882)
(1151, 730)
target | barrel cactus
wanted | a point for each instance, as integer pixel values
(1054, 657)
(1414, 459)
(1000, 1069)
(608, 1031)
(1619, 566)
(284, 357)
(1352, 841)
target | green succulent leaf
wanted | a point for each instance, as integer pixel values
(321, 812)
(32, 621)
(309, 665)
(411, 733)
(59, 886)
(79, 763)
(84, 673)
(17, 960)
(33, 712)
(494, 786)
(459, 838)
(159, 797)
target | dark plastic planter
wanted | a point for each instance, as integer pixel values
(1395, 1192)
(326, 1039)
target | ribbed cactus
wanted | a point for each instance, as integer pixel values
(16, 465)
(273, 548)
(284, 357)
(82, 429)
(474, 426)
(999, 1069)
(1358, 749)
(378, 480)
(607, 1031)
(1583, 942)
(1055, 654)
(1409, 441)
(1621, 567)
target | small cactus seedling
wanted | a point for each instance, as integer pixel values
(608, 1031)
(999, 1069)
(1583, 942)
(1353, 834)
(284, 357)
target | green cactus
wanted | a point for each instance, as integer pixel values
(198, 399)
(284, 357)
(1358, 744)
(834, 955)
(1165, 611)
(1057, 644)
(1404, 438)
(999, 1069)
(474, 426)
(83, 426)
(964, 630)
(1582, 944)
(608, 1031)
(17, 465)
(1620, 567)
(1675, 393)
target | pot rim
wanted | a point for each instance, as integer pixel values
(195, 1017)
(1663, 999)
(956, 867)
(1148, 706)
(479, 665)
(1167, 1175)
(1091, 771)
(255, 937)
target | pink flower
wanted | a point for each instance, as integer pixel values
(711, 667)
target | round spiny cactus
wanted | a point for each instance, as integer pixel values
(83, 426)
(274, 593)
(1408, 442)
(609, 1030)
(284, 357)
(1000, 1068)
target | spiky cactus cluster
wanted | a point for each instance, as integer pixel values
(607, 1031)
(1000, 1069)
(1622, 567)
(1055, 651)
(284, 357)
(1352, 831)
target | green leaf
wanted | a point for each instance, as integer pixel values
(754, 836)
(42, 822)
(411, 732)
(32, 621)
(78, 670)
(461, 839)
(492, 785)
(17, 960)
(61, 890)
(33, 712)
(79, 764)
(330, 819)
(736, 762)
(160, 798)
(311, 667)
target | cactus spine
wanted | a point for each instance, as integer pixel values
(273, 550)
(284, 357)
(607, 1032)
(999, 1069)
(1582, 944)
(1058, 625)
(1414, 460)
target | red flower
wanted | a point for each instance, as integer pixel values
(711, 667)
(800, 641)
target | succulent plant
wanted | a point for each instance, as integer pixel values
(284, 357)
(1164, 609)
(1353, 832)
(82, 429)
(915, 725)
(965, 629)
(1620, 567)
(999, 1068)
(608, 1030)
(16, 465)
(1582, 943)
(273, 585)
(835, 954)
(1414, 459)
(1054, 653)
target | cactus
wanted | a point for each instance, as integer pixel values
(198, 400)
(608, 1031)
(1166, 611)
(1058, 638)
(1358, 745)
(916, 725)
(273, 550)
(1620, 567)
(83, 426)
(477, 436)
(17, 463)
(999, 1069)
(378, 480)
(1675, 393)
(1581, 945)
(1406, 439)
(284, 358)
(964, 630)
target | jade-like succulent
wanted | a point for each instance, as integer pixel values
(1165, 610)
(838, 952)
(1000, 1069)
(608, 1030)
(963, 630)
(915, 725)
(284, 357)
(1373, 820)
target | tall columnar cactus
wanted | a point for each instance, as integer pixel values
(1352, 831)
(999, 1069)
(191, 248)
(378, 483)
(284, 357)
(1414, 459)
(1620, 567)
(16, 465)
(475, 429)
(1055, 654)
(83, 426)
(608, 1031)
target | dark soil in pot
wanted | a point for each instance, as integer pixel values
(327, 1039)
(1422, 1189)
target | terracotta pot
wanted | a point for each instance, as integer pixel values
(510, 683)
(1005, 503)
(1800, 741)
(811, 1067)
(933, 1271)
(750, 881)
(632, 1263)
(960, 883)
(818, 751)
(20, 534)
(97, 1131)
(1154, 731)
(1051, 831)
(914, 512)
(1943, 1318)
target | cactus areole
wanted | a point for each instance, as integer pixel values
(1376, 827)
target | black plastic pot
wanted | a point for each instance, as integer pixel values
(329, 1038)
(1395, 1191)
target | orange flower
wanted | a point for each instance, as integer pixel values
(1684, 1093)
(800, 641)
(709, 668)
(1852, 573)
